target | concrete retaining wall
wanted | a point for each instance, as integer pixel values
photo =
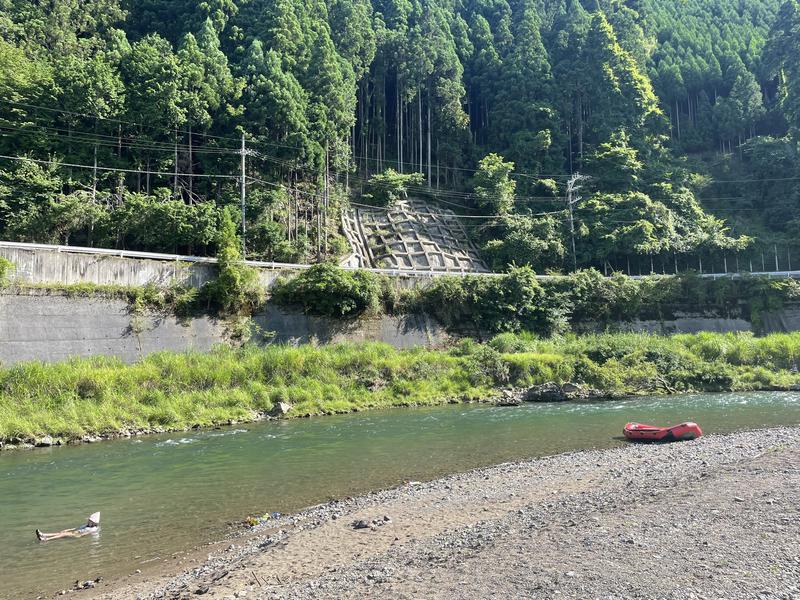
(52, 328)
(40, 266)
(66, 268)
(782, 321)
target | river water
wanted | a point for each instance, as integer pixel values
(162, 494)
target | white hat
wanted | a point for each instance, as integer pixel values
(95, 518)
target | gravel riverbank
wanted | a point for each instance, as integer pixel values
(713, 518)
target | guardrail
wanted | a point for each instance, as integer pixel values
(275, 266)
(279, 266)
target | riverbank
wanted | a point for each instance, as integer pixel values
(711, 518)
(89, 399)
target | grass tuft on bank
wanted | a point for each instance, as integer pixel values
(169, 391)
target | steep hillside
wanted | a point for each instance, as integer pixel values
(122, 123)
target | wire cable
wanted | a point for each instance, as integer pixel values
(117, 170)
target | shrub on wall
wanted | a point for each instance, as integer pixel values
(6, 268)
(328, 290)
(237, 289)
(515, 301)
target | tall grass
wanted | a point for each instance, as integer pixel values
(175, 391)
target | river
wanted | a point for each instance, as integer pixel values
(163, 494)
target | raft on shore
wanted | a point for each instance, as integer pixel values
(639, 432)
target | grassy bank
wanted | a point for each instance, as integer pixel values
(176, 391)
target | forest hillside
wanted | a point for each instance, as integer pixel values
(135, 124)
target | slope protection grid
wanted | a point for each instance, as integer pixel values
(411, 236)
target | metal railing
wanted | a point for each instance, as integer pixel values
(269, 265)
(280, 266)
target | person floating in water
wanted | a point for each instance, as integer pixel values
(92, 526)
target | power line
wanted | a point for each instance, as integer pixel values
(420, 189)
(766, 180)
(386, 208)
(73, 134)
(359, 158)
(466, 195)
(278, 145)
(112, 120)
(228, 138)
(123, 143)
(114, 169)
(455, 216)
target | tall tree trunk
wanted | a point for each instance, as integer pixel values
(191, 201)
(175, 183)
(69, 149)
(569, 135)
(580, 131)
(430, 172)
(437, 162)
(689, 105)
(94, 176)
(398, 124)
(671, 131)
(419, 106)
(384, 121)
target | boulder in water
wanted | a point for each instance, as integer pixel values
(547, 392)
(509, 398)
(280, 409)
(553, 392)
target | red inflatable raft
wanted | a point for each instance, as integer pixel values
(640, 432)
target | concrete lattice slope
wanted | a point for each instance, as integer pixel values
(411, 236)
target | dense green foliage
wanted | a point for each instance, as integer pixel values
(518, 301)
(237, 288)
(329, 291)
(6, 269)
(177, 391)
(686, 115)
(385, 189)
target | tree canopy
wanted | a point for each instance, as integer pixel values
(121, 115)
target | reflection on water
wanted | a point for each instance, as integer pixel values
(162, 494)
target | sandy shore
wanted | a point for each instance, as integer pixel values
(714, 518)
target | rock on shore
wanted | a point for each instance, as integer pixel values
(713, 518)
(548, 392)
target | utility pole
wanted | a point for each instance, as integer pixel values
(94, 176)
(573, 185)
(243, 194)
(94, 168)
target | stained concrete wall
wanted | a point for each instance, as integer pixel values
(53, 328)
(43, 266)
(787, 319)
(65, 268)
(783, 321)
(401, 332)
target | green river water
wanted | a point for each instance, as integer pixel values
(163, 494)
